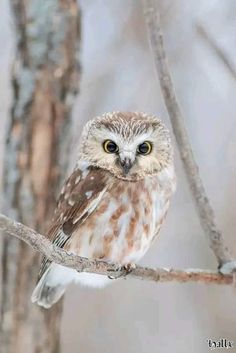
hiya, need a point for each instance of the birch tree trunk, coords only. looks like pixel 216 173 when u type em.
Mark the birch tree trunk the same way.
pixel 45 80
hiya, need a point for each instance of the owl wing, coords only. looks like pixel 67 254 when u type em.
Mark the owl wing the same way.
pixel 79 197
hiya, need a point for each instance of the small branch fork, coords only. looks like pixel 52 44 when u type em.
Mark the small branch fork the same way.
pixel 41 244
pixel 203 206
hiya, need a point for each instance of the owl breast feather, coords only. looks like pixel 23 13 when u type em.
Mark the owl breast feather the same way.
pixel 126 220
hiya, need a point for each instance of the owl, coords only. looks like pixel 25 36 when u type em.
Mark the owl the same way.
pixel 113 204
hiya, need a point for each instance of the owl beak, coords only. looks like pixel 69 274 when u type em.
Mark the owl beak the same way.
pixel 126 165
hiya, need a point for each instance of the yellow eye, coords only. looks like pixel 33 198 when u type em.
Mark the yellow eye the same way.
pixel 145 148
pixel 110 146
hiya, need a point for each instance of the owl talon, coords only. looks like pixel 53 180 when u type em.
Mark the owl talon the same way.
pixel 123 271
pixel 118 270
pixel 129 268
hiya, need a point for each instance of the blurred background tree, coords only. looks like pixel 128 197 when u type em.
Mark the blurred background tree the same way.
pixel 45 80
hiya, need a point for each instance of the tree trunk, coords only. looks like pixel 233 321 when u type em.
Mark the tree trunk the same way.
pixel 45 81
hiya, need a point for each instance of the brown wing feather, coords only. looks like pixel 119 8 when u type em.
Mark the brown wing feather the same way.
pixel 79 197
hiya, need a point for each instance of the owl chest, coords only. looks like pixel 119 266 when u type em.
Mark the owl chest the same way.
pixel 125 222
pixel 143 208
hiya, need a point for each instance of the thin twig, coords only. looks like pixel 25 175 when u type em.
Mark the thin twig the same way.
pixel 41 244
pixel 217 49
pixel 205 211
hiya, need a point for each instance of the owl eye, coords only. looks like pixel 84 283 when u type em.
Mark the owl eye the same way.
pixel 145 148
pixel 110 146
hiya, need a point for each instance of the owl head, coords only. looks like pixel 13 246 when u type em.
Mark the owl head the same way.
pixel 129 145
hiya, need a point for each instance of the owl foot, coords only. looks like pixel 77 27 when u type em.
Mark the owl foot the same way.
pixel 123 271
pixel 129 268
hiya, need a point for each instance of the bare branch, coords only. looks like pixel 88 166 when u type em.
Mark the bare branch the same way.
pixel 217 49
pixel 202 203
pixel 41 244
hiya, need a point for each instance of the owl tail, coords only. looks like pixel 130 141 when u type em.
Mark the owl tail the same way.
pixel 48 290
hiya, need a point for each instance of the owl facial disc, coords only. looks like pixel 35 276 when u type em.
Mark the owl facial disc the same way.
pixel 129 145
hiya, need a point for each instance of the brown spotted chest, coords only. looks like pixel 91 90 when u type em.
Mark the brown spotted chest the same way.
pixel 125 222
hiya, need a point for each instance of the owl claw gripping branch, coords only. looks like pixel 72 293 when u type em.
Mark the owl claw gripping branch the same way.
pixel 123 271
pixel 113 204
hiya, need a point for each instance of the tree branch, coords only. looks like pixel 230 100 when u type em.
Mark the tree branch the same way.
pixel 204 209
pixel 41 244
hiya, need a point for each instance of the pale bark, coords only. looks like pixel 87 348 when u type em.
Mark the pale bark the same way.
pixel 45 81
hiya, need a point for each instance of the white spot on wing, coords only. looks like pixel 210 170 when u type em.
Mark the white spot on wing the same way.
pixel 67 195
pixel 71 202
pixel 92 206
pixel 88 194
pixel 77 180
